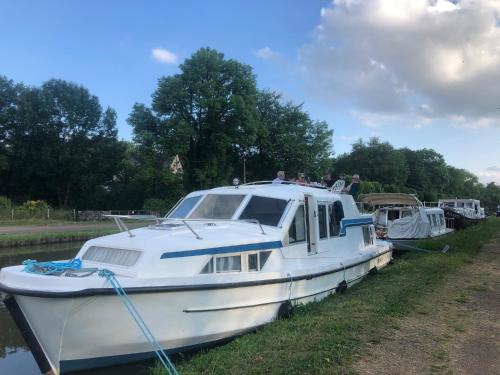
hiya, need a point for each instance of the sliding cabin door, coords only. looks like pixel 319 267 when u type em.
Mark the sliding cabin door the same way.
pixel 311 224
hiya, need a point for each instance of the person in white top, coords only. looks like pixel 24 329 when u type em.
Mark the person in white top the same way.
pixel 280 177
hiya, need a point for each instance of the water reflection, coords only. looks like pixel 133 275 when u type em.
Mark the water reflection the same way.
pixel 15 357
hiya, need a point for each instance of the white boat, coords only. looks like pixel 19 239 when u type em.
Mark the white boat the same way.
pixel 223 262
pixel 399 216
pixel 464 212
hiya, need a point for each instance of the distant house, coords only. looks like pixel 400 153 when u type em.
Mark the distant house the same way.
pixel 175 165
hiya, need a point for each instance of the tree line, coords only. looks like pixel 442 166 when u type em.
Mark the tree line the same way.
pixel 58 144
pixel 422 172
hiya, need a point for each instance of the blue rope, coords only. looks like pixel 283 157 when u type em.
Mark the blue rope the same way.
pixel 51 268
pixel 165 361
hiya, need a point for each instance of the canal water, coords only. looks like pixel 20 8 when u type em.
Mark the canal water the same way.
pixel 15 357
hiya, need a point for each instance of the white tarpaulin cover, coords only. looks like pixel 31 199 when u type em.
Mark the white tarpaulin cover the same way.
pixel 415 226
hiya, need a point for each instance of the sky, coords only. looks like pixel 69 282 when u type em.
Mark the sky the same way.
pixel 415 73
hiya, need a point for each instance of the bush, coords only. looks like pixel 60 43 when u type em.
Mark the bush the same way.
pixel 156 204
pixel 35 205
pixel 5 203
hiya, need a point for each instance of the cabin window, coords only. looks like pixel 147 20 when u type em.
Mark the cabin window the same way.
pixel 336 213
pixel 209 267
pixel 217 206
pixel 441 219
pixel 185 207
pixel 109 255
pixel 367 235
pixel 434 222
pixel 392 215
pixel 230 263
pixel 323 232
pixel 263 257
pixel 450 204
pixel 460 204
pixel 253 262
pixel 266 210
pixel 297 231
pixel 256 261
pixel 405 213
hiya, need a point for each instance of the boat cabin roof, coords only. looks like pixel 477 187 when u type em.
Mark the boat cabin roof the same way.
pixel 386 199
pixel 459 200
pixel 283 191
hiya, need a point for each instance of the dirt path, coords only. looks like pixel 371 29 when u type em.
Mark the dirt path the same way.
pixel 455 331
pixel 18 229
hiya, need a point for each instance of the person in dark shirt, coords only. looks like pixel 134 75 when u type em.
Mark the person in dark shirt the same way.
pixel 352 188
pixel 327 180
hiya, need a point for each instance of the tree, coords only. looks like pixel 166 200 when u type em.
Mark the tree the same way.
pixel 205 114
pixel 213 117
pixel 374 161
pixel 287 139
pixel 61 146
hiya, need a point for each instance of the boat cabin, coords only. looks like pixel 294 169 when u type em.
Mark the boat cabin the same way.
pixel 402 216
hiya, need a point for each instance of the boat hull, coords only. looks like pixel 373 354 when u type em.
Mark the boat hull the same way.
pixel 84 332
pixel 459 221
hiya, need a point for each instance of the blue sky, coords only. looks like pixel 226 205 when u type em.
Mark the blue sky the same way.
pixel 339 58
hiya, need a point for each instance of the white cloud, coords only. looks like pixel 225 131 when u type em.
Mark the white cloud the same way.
pixel 268 54
pixel 164 56
pixel 491 174
pixel 429 58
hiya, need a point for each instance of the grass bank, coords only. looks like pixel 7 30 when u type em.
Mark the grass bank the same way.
pixel 43 238
pixel 327 337
pixel 35 221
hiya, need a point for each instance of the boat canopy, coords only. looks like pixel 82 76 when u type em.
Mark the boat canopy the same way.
pixel 387 199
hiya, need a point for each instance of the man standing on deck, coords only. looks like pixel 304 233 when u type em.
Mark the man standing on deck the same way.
pixel 280 177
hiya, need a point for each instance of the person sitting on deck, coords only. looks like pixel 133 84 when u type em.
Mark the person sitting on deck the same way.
pixel 301 179
pixel 352 188
pixel 280 177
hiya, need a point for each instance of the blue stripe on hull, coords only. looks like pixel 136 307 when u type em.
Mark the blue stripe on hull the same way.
pixel 224 249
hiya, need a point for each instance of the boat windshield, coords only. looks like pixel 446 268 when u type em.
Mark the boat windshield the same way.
pixel 185 207
pixel 217 206
pixel 267 211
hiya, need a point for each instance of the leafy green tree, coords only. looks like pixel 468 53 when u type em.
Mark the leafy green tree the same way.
pixel 206 115
pixel 374 161
pixel 490 196
pixel 212 116
pixel 62 147
pixel 287 139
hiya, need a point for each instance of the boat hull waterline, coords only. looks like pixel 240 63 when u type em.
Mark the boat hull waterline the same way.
pixel 84 332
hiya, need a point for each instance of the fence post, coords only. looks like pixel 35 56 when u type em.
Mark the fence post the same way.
pixel 12 214
pixel 74 214
pixel 48 213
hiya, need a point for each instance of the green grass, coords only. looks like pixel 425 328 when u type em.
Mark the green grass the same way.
pixel 326 337
pixel 4 222
pixel 29 239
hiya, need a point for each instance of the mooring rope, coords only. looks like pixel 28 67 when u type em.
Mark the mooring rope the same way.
pixel 51 268
pixel 160 353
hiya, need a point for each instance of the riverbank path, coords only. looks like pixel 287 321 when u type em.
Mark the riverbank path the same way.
pixel 455 331
pixel 76 227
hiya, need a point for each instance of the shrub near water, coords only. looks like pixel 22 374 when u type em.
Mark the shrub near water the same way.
pixel 326 337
